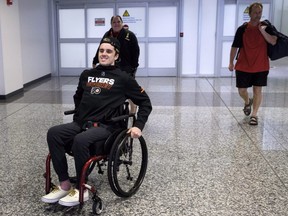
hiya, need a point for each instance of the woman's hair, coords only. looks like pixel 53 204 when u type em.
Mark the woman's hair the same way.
pixel 115 17
pixel 258 4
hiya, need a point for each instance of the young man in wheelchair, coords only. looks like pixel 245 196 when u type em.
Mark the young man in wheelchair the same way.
pixel 99 93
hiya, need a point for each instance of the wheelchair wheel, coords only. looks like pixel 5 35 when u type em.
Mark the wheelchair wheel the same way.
pixel 97 206
pixel 127 164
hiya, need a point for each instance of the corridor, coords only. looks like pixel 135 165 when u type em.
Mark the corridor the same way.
pixel 204 157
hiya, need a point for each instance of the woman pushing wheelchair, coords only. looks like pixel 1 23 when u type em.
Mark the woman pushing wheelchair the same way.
pixel 99 93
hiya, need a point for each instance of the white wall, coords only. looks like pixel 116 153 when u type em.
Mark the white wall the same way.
pixel 284 26
pixel 199 27
pixel 11 76
pixel 24 43
pixel 34 26
pixel 190 39
pixel 208 17
pixel 2 81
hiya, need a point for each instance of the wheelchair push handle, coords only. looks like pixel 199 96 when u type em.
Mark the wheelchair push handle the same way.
pixel 69 112
pixel 120 118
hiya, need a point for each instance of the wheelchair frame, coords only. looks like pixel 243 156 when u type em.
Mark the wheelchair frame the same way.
pixel 122 146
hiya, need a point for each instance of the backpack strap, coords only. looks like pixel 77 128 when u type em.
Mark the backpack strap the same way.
pixel 243 28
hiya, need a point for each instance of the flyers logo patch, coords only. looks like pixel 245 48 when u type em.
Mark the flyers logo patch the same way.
pixel 95 90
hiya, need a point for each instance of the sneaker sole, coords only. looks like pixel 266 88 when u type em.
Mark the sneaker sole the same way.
pixel 49 200
pixel 70 204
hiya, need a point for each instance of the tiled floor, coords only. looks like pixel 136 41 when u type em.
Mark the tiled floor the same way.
pixel 204 159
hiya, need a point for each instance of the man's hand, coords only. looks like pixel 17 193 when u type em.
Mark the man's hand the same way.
pixel 262 27
pixel 233 52
pixel 135 132
pixel 231 67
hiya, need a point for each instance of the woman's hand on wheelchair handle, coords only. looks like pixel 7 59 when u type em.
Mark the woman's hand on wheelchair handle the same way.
pixel 135 132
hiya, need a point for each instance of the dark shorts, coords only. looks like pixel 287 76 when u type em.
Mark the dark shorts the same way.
pixel 246 80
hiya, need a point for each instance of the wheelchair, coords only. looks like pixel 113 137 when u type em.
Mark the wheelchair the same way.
pixel 127 160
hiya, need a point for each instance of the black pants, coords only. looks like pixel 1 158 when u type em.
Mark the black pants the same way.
pixel 70 136
pixel 131 71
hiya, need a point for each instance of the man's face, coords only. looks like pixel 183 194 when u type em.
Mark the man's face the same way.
pixel 107 54
pixel 256 13
pixel 116 24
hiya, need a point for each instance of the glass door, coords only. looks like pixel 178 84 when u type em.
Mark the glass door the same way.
pixel 81 27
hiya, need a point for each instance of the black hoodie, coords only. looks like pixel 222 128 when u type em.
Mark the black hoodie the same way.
pixel 102 90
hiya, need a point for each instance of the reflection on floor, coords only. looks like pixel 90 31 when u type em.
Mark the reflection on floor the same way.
pixel 204 158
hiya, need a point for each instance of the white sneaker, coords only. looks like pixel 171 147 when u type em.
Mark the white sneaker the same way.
pixel 72 198
pixel 55 195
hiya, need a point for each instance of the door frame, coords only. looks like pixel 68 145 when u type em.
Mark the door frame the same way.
pixel 145 71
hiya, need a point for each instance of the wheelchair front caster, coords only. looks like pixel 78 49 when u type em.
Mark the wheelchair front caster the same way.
pixel 97 207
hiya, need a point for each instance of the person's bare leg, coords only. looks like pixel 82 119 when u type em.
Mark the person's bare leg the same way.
pixel 65 185
pixel 257 99
pixel 244 95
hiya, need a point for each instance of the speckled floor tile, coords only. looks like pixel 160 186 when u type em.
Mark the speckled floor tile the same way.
pixel 204 157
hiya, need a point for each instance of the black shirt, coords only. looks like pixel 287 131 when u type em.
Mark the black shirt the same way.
pixel 102 90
